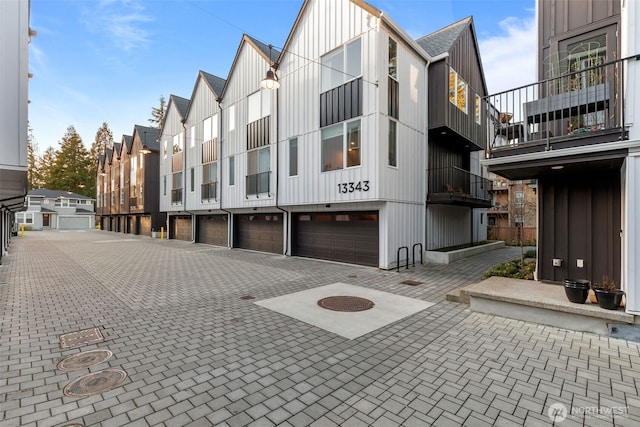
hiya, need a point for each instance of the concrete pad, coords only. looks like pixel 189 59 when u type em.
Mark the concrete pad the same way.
pixel 303 306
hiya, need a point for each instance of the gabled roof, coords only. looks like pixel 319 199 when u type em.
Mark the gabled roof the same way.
pixel 116 149
pixel 260 47
pixel 182 104
pixel 101 159
pixel 127 143
pixel 109 154
pixel 386 20
pixel 442 40
pixel 56 194
pixel 215 83
pixel 148 136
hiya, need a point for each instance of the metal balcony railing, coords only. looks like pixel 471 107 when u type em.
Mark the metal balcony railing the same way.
pixel 581 103
pixel 209 191
pixel 176 196
pixel 457 181
pixel 258 183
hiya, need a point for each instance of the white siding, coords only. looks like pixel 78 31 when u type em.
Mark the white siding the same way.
pixel 250 68
pixel 172 126
pixel 401 224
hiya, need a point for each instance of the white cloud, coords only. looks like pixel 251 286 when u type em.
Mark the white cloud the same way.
pixel 509 59
pixel 122 21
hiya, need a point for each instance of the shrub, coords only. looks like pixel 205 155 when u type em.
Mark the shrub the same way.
pixel 531 253
pixel 513 269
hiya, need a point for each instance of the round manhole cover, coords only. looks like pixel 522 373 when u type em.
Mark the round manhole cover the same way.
pixel 346 303
pixel 95 383
pixel 84 360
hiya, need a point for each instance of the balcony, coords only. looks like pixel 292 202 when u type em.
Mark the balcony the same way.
pixel 209 191
pixel 578 108
pixel 499 210
pixel 176 196
pixel 454 186
pixel 258 183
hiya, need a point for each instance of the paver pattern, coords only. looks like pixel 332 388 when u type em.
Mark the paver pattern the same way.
pixel 197 353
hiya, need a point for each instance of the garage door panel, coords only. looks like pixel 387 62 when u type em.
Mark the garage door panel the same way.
pixel 145 226
pixel 345 237
pixel 213 230
pixel 181 228
pixel 259 232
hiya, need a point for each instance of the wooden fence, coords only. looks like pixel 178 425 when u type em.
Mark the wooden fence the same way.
pixel 512 234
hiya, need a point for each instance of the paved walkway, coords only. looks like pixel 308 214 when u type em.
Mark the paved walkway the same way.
pixel 196 353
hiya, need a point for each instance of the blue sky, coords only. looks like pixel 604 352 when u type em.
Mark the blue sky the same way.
pixel 110 61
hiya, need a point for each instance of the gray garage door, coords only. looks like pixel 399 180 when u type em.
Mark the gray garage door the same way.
pixel 73 222
pixel 213 229
pixel 351 237
pixel 180 228
pixel 259 232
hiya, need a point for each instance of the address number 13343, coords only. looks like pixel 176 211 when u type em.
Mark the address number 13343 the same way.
pixel 350 187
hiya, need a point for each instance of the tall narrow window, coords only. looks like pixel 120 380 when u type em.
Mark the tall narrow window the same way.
pixel 353 143
pixel 393 58
pixel 457 90
pixel 293 157
pixel 393 156
pixel 232 170
pixel 164 185
pixel 193 179
pixel 232 118
pixel 478 109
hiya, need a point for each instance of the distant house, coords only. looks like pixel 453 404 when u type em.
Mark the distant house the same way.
pixel 57 210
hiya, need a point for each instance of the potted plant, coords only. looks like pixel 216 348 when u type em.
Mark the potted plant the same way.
pixel 607 295
pixel 577 291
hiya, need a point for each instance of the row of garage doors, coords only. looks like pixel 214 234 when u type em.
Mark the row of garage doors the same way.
pixel 351 237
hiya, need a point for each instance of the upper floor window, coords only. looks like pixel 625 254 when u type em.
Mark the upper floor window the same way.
pixel 341 65
pixel 258 105
pixel 458 89
pixel 478 103
pixel 340 142
pixel 293 157
pixel 164 148
pixel 192 136
pixel 232 117
pixel 177 143
pixel 393 58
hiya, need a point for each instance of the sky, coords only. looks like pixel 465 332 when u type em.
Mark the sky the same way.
pixel 96 61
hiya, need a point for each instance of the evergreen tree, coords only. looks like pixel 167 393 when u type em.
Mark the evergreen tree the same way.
pixel 103 140
pixel 34 176
pixel 157 114
pixel 72 167
pixel 45 164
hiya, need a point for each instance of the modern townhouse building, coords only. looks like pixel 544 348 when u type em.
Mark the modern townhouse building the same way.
pixel 57 210
pixel 15 35
pixel 574 132
pixel 333 164
pixel 128 184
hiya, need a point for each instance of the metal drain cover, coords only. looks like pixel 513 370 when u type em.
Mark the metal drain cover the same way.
pixel 411 282
pixel 76 339
pixel 346 303
pixel 95 383
pixel 84 360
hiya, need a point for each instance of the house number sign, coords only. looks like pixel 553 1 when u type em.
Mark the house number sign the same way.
pixel 350 187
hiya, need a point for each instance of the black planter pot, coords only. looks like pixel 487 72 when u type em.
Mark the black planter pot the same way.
pixel 610 300
pixel 577 291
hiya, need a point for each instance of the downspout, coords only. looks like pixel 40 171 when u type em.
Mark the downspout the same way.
pixel 229 214
pixel 184 177
pixel 287 217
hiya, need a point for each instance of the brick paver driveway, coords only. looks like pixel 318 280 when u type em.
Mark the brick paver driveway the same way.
pixel 197 353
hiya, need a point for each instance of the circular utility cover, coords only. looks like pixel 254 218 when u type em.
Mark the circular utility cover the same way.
pixel 84 360
pixel 346 303
pixel 95 383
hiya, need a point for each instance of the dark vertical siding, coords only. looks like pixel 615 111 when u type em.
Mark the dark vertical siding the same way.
pixel 438 95
pixel 580 219
pixel 341 103
pixel 441 156
pixel 151 189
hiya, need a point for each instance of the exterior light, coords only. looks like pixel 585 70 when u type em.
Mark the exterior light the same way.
pixel 145 150
pixel 557 167
pixel 270 82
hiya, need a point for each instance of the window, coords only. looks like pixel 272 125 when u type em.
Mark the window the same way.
pixel 177 180
pixel 338 139
pixel 393 155
pixel 341 65
pixel 164 185
pixel 140 163
pixel 478 109
pixel 164 148
pixel 209 181
pixel 193 179
pixel 457 91
pixel 177 143
pixel 121 184
pixel 232 170
pixel 393 58
pixel 258 105
pixel 293 157
pixel 232 117
pixel 258 170
pixel 133 175
pixel 519 196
